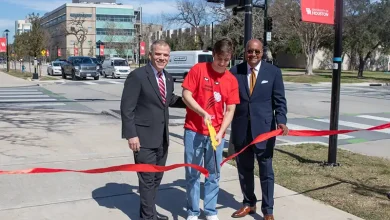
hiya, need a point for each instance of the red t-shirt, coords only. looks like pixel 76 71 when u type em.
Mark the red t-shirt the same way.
pixel 212 91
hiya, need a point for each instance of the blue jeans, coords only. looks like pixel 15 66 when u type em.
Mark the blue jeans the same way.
pixel 198 150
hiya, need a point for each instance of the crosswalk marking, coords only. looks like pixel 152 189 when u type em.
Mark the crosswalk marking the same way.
pixel 38 104
pixel 298 127
pixel 20 93
pixel 114 82
pixel 18 90
pixel 374 118
pixel 24 96
pixel 26 100
pixel 355 125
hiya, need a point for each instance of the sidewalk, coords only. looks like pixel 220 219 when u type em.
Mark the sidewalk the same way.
pixel 7 80
pixel 81 141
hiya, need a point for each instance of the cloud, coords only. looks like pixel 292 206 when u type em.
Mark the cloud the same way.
pixel 39 5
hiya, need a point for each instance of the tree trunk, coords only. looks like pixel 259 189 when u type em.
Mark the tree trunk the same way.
pixel 362 63
pixel 309 63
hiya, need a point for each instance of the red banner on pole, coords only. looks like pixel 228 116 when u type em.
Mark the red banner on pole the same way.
pixel 3 45
pixel 142 46
pixel 76 51
pixel 318 11
pixel 101 53
pixel 59 52
pixel 47 53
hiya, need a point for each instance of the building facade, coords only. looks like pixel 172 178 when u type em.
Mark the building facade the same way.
pixel 22 26
pixel 74 29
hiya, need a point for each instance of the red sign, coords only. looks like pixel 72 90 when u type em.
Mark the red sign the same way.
pixel 3 45
pixel 318 11
pixel 47 53
pixel 101 53
pixel 76 51
pixel 142 47
pixel 59 52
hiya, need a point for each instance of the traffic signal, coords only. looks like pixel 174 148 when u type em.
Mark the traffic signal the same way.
pixel 268 24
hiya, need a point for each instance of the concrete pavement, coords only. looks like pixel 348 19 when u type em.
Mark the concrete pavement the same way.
pixel 81 141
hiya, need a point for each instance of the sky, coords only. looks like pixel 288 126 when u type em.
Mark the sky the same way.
pixel 12 10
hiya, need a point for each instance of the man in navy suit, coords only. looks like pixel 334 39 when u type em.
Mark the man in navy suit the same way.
pixel 262 109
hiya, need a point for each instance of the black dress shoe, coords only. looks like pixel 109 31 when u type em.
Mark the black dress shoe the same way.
pixel 161 217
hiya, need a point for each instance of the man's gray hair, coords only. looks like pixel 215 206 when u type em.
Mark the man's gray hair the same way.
pixel 158 42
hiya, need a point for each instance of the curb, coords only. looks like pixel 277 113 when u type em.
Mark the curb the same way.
pixel 380 84
pixel 172 122
pixel 342 84
pixel 50 110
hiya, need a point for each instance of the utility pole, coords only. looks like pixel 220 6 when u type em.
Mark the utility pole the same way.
pixel 335 99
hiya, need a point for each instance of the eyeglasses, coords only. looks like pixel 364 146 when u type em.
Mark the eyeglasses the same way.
pixel 257 52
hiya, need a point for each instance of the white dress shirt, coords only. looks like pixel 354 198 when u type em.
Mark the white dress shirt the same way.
pixel 257 69
pixel 157 79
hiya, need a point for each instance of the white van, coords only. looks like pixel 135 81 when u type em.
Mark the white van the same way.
pixel 180 62
pixel 115 67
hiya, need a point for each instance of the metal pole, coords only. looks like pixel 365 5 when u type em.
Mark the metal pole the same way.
pixel 335 101
pixel 6 36
pixel 212 34
pixel 139 50
pixel 265 43
pixel 248 21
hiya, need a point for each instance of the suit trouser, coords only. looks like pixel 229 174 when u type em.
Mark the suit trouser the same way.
pixel 149 182
pixel 245 165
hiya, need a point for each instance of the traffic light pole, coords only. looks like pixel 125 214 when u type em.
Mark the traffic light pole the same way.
pixel 265 43
pixel 248 21
pixel 335 99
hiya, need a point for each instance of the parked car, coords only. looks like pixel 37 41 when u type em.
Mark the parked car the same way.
pixel 54 68
pixel 116 67
pixel 79 67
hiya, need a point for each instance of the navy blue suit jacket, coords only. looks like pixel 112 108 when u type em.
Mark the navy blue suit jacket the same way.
pixel 265 108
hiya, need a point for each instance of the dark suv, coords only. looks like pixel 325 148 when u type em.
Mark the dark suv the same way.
pixel 79 67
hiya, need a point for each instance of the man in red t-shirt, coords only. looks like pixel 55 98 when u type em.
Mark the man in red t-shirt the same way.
pixel 210 92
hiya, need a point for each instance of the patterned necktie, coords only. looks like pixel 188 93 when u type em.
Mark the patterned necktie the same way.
pixel 161 86
pixel 253 80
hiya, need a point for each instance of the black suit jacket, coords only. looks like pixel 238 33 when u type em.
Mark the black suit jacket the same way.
pixel 143 113
pixel 265 108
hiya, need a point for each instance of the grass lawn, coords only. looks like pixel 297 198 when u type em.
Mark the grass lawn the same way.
pixel 358 186
pixel 346 77
pixel 27 75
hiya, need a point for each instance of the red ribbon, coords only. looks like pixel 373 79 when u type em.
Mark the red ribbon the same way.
pixel 155 168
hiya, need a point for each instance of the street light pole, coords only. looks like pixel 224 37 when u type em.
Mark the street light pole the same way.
pixel 335 99
pixel 139 50
pixel 6 36
pixel 265 43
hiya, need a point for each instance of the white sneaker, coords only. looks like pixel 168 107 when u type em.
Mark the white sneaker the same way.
pixel 212 217
pixel 192 217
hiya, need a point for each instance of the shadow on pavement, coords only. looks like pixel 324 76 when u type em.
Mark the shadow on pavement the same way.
pixel 122 196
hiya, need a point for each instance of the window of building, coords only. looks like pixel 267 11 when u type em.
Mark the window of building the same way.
pixel 115 18
pixel 121 32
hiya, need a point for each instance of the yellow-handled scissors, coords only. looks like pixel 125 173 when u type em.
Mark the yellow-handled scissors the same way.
pixel 213 133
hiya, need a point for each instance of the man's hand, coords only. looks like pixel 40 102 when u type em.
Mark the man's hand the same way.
pixel 284 128
pixel 134 144
pixel 218 138
pixel 206 117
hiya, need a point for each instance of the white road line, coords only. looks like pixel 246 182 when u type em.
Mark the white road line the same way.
pixel 90 83
pixel 114 82
pixel 374 117
pixel 298 127
pixel 355 125
pixel 26 100
pixel 23 96
pixel 38 104
pixel 18 90
pixel 20 93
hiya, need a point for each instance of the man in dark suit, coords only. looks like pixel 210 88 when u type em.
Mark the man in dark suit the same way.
pixel 262 106
pixel 147 94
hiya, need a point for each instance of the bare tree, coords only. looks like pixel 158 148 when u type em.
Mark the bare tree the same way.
pixel 78 30
pixel 310 35
pixel 193 13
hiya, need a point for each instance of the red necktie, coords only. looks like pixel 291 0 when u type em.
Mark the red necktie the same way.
pixel 161 86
